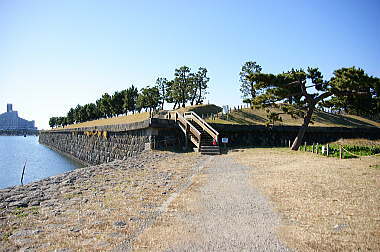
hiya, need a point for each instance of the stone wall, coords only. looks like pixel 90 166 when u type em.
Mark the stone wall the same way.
pixel 96 149
pixel 98 145
pixel 258 135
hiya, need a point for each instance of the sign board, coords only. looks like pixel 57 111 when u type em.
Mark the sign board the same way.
pixel 224 140
pixel 225 109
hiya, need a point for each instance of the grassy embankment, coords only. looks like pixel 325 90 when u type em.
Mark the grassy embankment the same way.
pixel 113 204
pixel 321 119
pixel 138 117
pixel 243 116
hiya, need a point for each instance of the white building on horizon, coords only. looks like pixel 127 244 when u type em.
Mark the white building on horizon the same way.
pixel 10 121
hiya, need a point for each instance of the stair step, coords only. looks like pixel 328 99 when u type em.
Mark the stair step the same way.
pixel 210 152
pixel 213 153
pixel 206 141
pixel 209 147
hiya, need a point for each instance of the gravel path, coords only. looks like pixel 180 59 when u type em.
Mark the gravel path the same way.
pixel 230 214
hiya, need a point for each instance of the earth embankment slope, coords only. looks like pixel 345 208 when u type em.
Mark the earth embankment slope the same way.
pixel 93 208
pixel 248 116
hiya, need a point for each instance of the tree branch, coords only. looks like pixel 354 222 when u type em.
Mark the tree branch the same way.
pixel 308 97
pixel 322 96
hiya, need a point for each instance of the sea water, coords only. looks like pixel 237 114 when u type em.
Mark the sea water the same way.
pixel 41 162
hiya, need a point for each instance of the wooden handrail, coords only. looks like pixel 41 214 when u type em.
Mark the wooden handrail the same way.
pixel 188 125
pixel 182 128
pixel 203 124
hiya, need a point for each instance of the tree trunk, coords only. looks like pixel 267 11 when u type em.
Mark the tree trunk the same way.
pixel 253 91
pixel 175 104
pixel 298 141
pixel 193 98
pixel 199 97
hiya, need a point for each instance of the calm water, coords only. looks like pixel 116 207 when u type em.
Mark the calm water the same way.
pixel 41 162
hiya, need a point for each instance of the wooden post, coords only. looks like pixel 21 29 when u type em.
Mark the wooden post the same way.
pixel 340 151
pixel 327 151
pixel 305 146
pixel 313 148
pixel 289 143
pixel 317 148
pixel 22 175
pixel 186 141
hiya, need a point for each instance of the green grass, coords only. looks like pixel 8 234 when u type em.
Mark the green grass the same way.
pixel 334 150
pixel 20 212
pixel 375 166
pixel 24 211
pixel 6 236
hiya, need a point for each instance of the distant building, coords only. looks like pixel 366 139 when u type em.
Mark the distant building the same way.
pixel 11 121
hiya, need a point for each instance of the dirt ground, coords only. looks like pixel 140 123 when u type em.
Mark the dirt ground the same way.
pixel 110 208
pixel 220 211
pixel 326 204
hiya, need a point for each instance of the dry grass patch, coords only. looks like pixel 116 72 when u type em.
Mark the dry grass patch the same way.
pixel 201 109
pixel 358 142
pixel 103 212
pixel 325 203
pixel 171 230
pixel 320 119
pixel 138 117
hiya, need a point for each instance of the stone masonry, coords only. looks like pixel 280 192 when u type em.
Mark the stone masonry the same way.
pixel 98 149
pixel 93 146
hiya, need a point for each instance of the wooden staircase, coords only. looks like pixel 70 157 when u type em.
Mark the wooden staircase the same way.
pixel 198 131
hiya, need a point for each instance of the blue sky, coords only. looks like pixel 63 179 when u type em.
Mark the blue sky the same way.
pixel 56 54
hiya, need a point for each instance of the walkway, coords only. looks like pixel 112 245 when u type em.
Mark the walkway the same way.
pixel 220 211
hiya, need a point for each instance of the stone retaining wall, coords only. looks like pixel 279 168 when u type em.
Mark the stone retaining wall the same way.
pixel 258 135
pixel 97 145
pixel 98 149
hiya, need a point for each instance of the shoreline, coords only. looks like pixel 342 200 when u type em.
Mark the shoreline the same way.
pixel 72 162
pixel 85 164
pixel 108 203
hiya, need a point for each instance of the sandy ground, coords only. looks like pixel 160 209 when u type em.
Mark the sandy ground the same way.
pixel 220 211
pixel 326 204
